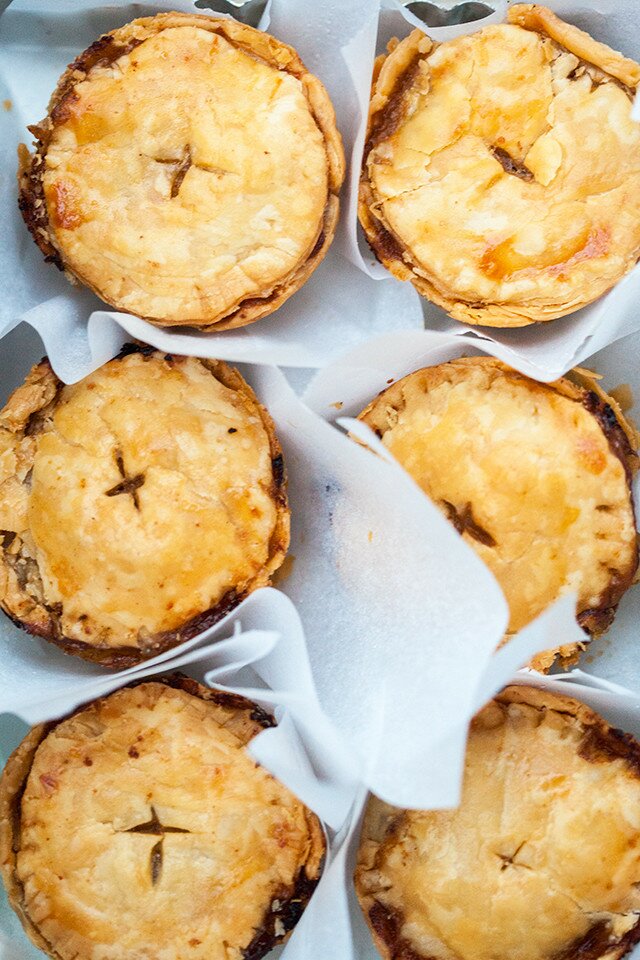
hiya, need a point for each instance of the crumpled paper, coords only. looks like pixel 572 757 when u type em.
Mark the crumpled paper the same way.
pixel 392 602
pixel 544 351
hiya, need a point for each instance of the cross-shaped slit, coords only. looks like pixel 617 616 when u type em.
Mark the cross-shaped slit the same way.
pixel 183 164
pixel 128 484
pixel 464 522
pixel 510 860
pixel 155 828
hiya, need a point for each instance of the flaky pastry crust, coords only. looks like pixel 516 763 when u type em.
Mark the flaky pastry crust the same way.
pixel 535 477
pixel 138 506
pixel 141 826
pixel 188 171
pixel 541 861
pixel 501 173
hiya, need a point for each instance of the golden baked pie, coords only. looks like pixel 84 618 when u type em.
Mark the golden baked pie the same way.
pixel 188 171
pixel 541 860
pixel 140 826
pixel 137 506
pixel 536 477
pixel 501 174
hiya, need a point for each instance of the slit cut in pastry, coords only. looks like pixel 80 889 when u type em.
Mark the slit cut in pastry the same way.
pixel 536 478
pixel 141 826
pixel 187 171
pixel 501 173
pixel 138 506
pixel 541 860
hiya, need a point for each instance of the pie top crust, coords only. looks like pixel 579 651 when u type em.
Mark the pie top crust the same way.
pixel 502 169
pixel 137 506
pixel 140 826
pixel 536 477
pixel 188 171
pixel 541 859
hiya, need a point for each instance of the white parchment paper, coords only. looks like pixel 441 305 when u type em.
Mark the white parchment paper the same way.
pixel 546 350
pixel 337 307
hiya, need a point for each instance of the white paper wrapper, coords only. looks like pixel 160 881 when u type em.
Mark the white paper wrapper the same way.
pixel 547 350
pixel 337 307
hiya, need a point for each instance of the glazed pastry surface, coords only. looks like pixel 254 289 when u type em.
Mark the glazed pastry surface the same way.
pixel 189 170
pixel 147 829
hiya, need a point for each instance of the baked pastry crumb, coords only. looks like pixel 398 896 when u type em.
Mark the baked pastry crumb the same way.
pixel 535 477
pixel 541 859
pixel 501 173
pixel 187 171
pixel 138 506
pixel 141 826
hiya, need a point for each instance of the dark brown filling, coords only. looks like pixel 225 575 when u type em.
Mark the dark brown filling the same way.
pixel 155 828
pixel 387 924
pixel 510 165
pixel 284 913
pixel 464 522
pixel 128 485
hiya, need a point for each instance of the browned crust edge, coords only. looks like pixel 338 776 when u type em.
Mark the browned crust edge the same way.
pixel 388 107
pixel 594 620
pixel 292 901
pixel 108 49
pixel 46 622
pixel 601 743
